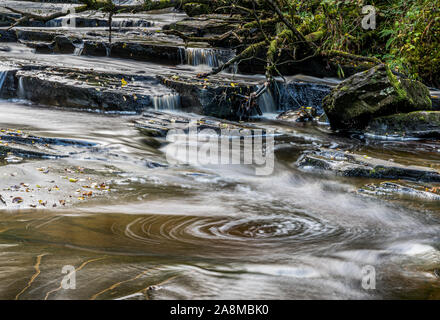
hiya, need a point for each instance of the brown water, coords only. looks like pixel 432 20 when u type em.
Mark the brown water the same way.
pixel 190 231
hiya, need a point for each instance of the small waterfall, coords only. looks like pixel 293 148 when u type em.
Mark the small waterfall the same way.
pixel 21 93
pixel 3 75
pixel 205 56
pixel 108 49
pixel 267 102
pixel 167 102
pixel 79 47
pixel 294 94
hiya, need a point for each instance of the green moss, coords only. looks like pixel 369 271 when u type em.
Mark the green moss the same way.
pixel 401 93
pixel 195 9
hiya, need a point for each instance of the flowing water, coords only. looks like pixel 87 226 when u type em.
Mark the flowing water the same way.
pixel 201 231
pixel 196 231
pixel 167 102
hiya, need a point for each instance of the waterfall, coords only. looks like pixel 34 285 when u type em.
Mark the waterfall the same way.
pixel 21 93
pixel 267 102
pixel 3 75
pixel 108 49
pixel 167 102
pixel 294 94
pixel 205 56
pixel 79 47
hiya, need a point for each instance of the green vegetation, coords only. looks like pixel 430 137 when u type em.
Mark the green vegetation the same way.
pixel 407 34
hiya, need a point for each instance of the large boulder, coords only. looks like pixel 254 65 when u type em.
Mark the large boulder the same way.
pixel 373 93
pixel 419 124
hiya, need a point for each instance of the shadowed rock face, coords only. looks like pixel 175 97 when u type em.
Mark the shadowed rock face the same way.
pixel 295 94
pixel 373 93
pixel 95 91
pixel 419 124
pixel 218 99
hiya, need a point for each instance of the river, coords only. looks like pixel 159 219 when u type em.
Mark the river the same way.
pixel 202 232
pixel 157 230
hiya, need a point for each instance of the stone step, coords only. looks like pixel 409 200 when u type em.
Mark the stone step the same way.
pixel 93 91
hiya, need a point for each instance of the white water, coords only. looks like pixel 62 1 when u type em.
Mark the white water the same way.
pixel 3 75
pixel 79 47
pixel 167 102
pixel 205 56
pixel 20 90
pixel 267 102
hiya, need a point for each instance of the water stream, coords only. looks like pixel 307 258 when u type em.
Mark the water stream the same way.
pixel 198 230
pixel 210 232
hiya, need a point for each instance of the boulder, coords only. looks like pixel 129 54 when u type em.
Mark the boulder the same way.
pixel 419 124
pixel 373 93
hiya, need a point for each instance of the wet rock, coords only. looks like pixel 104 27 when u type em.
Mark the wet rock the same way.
pixel 65 44
pixel 401 189
pixel 353 165
pixel 209 97
pixel 8 35
pixel 41 47
pixel 18 137
pixel 71 88
pixel 96 48
pixel 37 35
pixel 24 151
pixel 373 93
pixel 419 124
pixel 157 124
pixel 157 52
pixel 203 25
pixel 297 94
pixel 8 87
pixel 299 115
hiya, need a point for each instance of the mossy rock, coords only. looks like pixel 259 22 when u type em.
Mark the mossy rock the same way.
pixel 419 124
pixel 196 9
pixel 373 93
